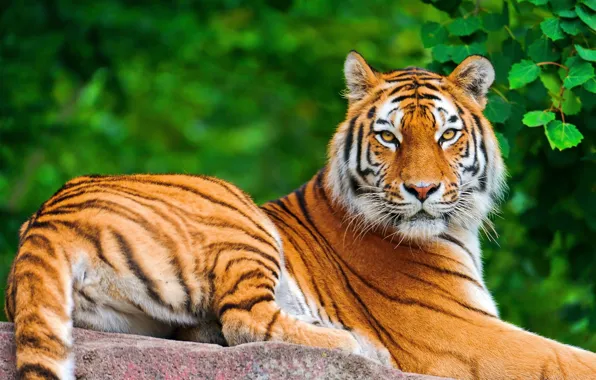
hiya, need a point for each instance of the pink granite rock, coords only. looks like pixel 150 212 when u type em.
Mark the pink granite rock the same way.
pixel 121 356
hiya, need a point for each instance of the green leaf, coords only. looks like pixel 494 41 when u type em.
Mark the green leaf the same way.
pixel 586 16
pixel 523 73
pixel 579 73
pixel 543 50
pixel 494 21
pixel 503 144
pixel 590 85
pixel 464 26
pixel 461 52
pixel 590 3
pixel 442 53
pixel 568 13
pixel 551 82
pixel 551 27
pixel 586 54
pixel 537 2
pixel 561 5
pixel 497 109
pixel 538 118
pixel 572 27
pixel 433 34
pixel 572 103
pixel 562 135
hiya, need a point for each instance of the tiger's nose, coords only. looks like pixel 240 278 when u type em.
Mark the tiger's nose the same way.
pixel 422 192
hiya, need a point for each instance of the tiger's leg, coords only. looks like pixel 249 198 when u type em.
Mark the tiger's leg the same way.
pixel 245 304
pixel 39 301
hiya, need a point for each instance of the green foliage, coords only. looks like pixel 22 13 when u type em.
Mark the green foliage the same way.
pixel 579 72
pixel 250 93
pixel 552 28
pixel 543 107
pixel 538 118
pixel 464 26
pixel 523 73
pixel 562 135
pixel 586 54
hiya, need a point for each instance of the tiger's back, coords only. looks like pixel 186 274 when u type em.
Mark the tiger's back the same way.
pixel 147 254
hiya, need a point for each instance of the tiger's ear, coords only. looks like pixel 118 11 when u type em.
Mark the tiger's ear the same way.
pixel 474 75
pixel 360 77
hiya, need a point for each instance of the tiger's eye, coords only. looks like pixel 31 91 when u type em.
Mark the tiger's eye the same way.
pixel 387 136
pixel 448 134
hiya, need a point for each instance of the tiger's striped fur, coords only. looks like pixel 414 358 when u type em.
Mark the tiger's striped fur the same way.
pixel 378 254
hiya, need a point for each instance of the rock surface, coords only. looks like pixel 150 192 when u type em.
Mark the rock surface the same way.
pixel 121 356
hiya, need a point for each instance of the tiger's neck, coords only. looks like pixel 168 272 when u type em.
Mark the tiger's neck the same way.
pixel 338 237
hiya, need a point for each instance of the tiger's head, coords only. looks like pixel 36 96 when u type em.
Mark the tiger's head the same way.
pixel 415 152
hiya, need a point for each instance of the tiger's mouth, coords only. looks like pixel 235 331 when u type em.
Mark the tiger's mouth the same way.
pixel 422 216
pixel 422 225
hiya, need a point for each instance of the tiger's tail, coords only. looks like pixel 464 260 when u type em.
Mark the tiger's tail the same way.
pixel 40 303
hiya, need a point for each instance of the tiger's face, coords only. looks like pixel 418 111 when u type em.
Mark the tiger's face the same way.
pixel 416 153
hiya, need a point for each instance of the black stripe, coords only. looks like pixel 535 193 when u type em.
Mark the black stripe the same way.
pixel 106 205
pixel 398 89
pixel 448 272
pixel 271 323
pixel 455 241
pixel 91 236
pixel 428 77
pixel 362 172
pixel 399 80
pixel 447 294
pixel 221 247
pixel 245 305
pixel 474 168
pixel 242 197
pixel 371 112
pixel 483 180
pixel 43 225
pixel 320 186
pixel 87 298
pixel 403 97
pixel 224 246
pixel 253 260
pixel 25 339
pixel 128 253
pixel 35 260
pixel 267 287
pixel 249 275
pixel 46 243
pixel 53 202
pixel 217 223
pixel 349 139
pixel 428 96
pixel 43 264
pixel 36 370
pixel 430 86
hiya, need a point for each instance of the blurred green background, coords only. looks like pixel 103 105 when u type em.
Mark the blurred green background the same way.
pixel 250 92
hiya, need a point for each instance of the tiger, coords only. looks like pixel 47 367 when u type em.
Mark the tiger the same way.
pixel 378 254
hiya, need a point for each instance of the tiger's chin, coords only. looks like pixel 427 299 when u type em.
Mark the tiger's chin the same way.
pixel 423 228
